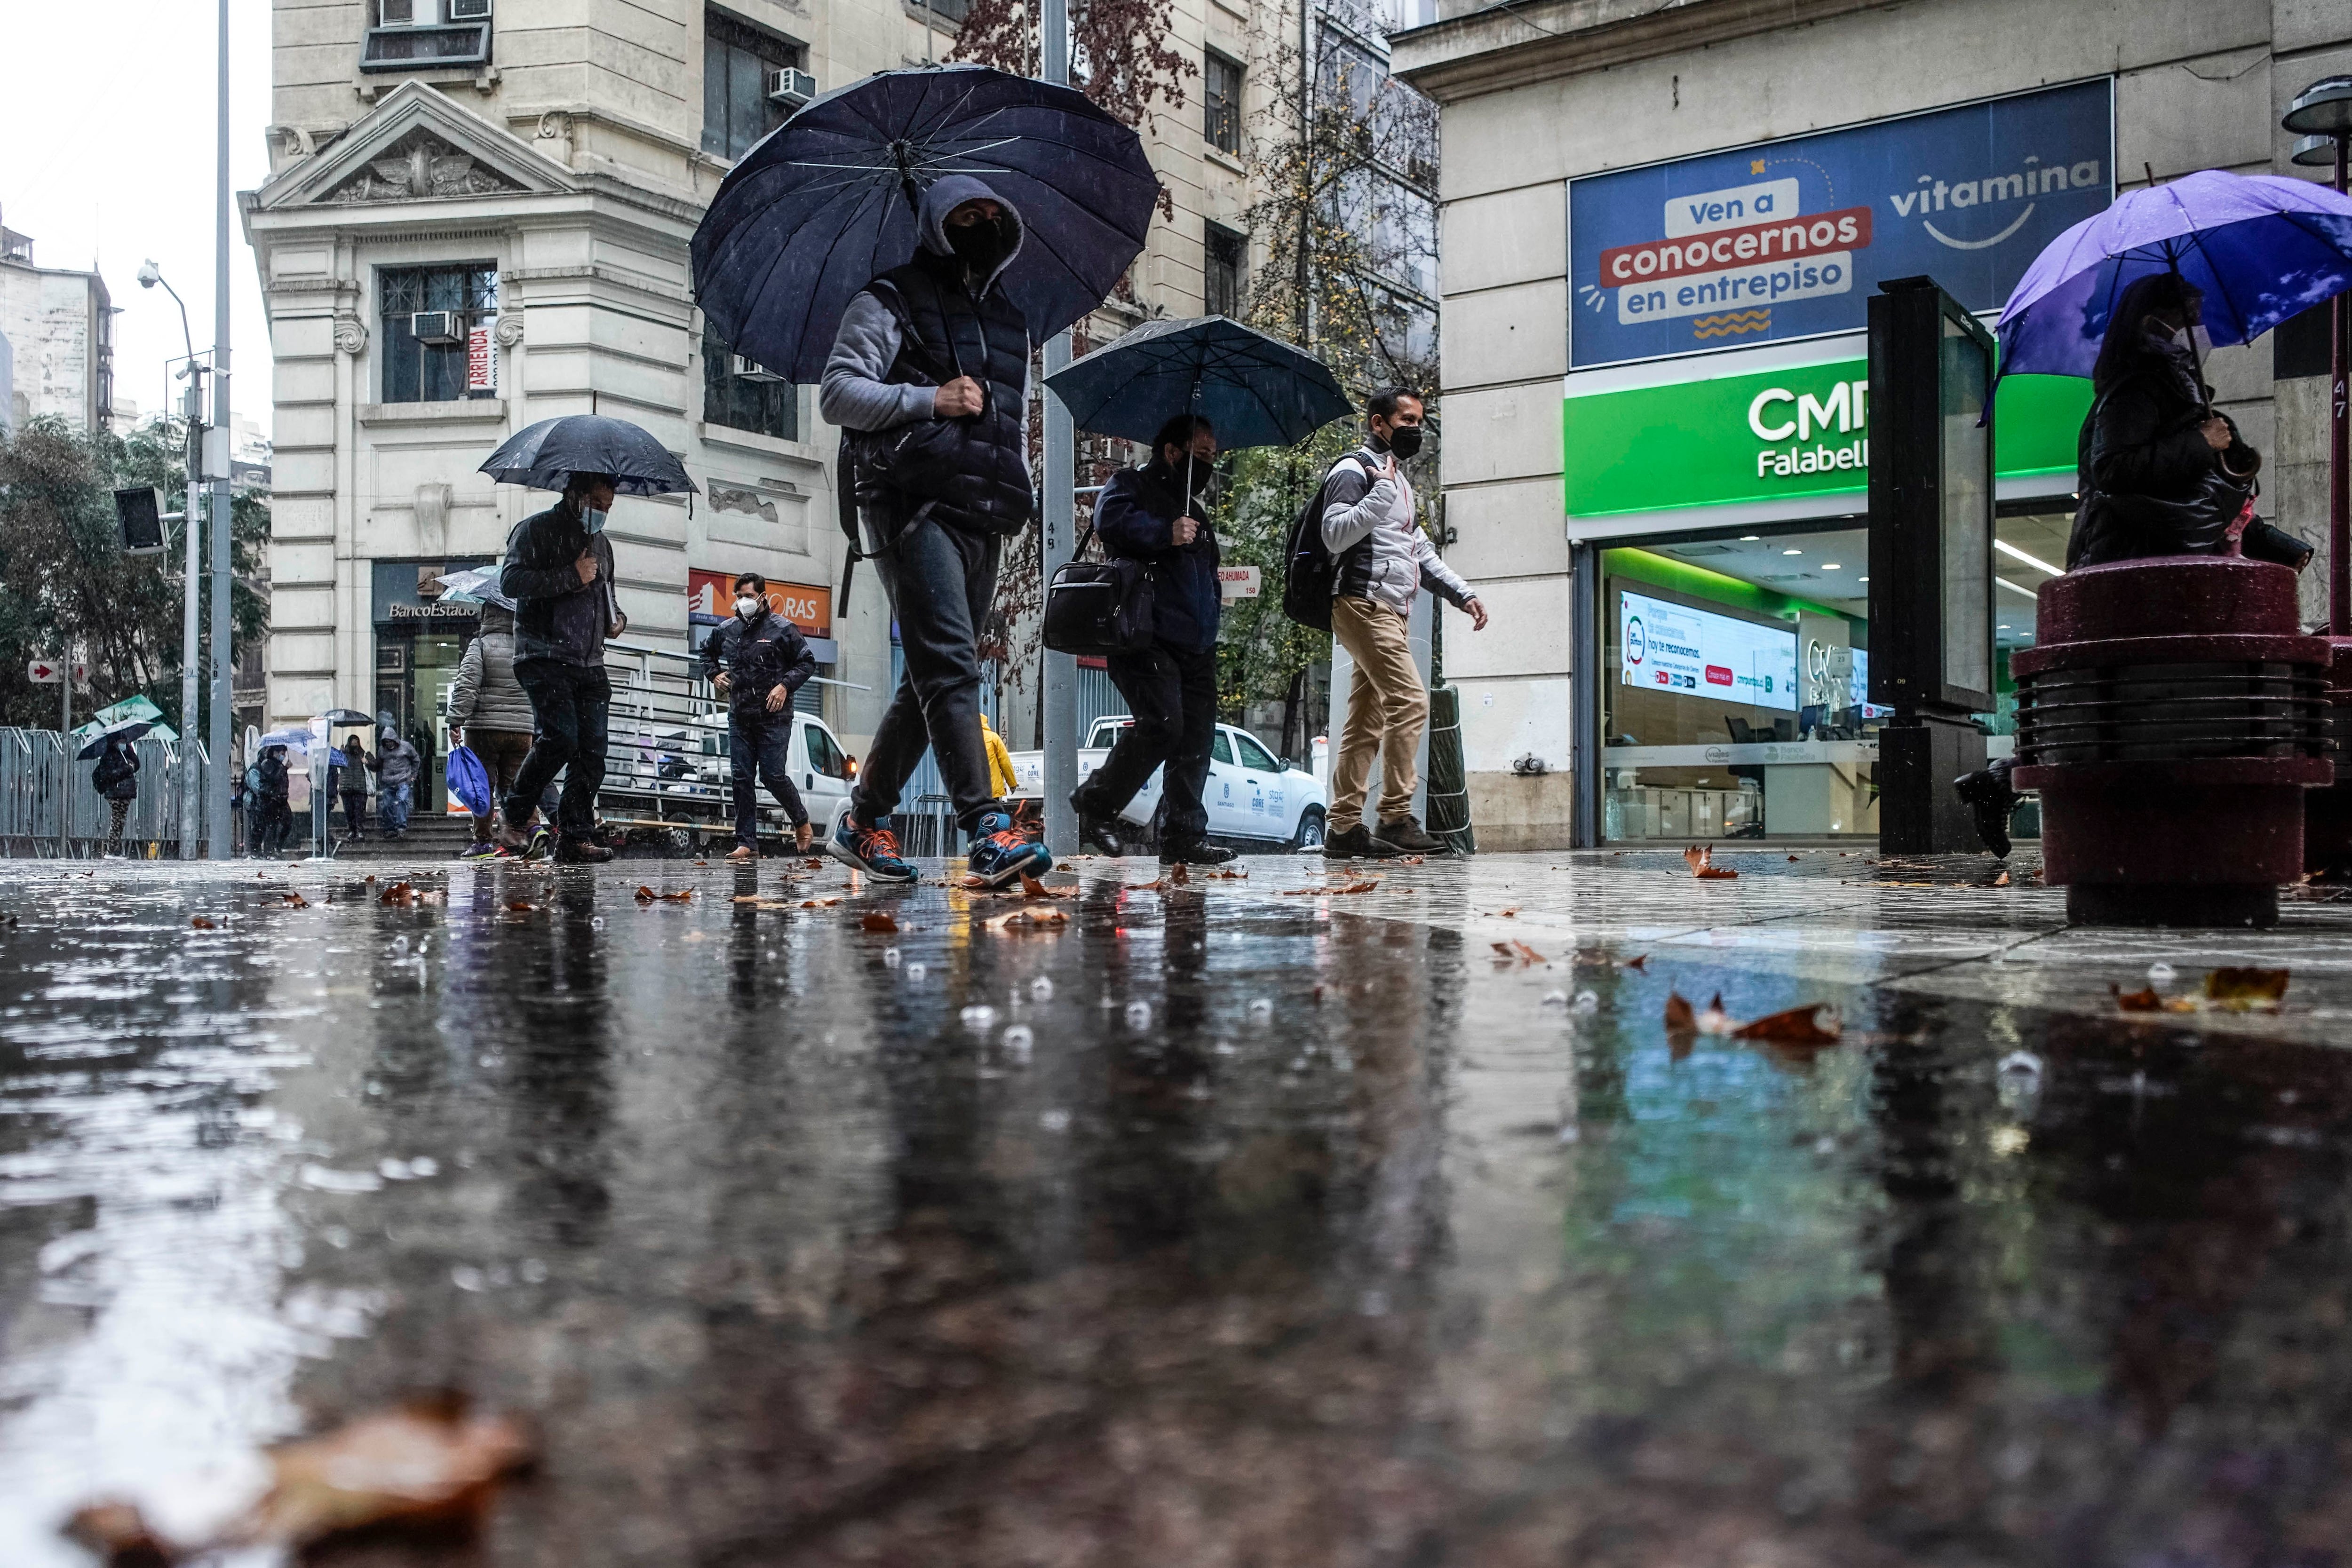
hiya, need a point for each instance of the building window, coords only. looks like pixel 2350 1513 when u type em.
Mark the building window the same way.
pixel 412 34
pixel 737 59
pixel 1220 102
pixel 1220 273
pixel 432 370
pixel 741 396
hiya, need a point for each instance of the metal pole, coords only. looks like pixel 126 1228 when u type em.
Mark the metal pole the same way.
pixel 2339 450
pixel 190 585
pixel 215 784
pixel 1060 693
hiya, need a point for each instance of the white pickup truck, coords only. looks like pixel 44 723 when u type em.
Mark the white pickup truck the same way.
pixel 1249 795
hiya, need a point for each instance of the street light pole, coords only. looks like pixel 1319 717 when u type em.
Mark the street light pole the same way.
pixel 216 742
pixel 150 275
pixel 1059 697
pixel 2322 115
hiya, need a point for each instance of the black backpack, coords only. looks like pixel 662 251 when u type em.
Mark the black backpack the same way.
pixel 1309 572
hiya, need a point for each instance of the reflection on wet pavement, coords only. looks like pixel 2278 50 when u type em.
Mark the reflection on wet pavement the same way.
pixel 1224 1226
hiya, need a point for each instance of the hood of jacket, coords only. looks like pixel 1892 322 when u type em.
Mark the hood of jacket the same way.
pixel 944 196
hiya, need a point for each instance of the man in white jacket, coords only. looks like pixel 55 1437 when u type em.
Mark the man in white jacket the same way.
pixel 1380 560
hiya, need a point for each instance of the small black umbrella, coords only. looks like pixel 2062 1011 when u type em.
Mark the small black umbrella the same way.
pixel 826 203
pixel 545 455
pixel 1256 391
pixel 344 718
pixel 129 729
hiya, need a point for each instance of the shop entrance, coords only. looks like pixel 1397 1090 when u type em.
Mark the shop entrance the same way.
pixel 419 642
pixel 1735 674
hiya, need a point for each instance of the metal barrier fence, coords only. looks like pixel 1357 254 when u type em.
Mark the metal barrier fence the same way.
pixel 49 808
pixel 927 827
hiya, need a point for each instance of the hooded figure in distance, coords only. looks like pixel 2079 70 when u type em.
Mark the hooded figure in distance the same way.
pixel 930 377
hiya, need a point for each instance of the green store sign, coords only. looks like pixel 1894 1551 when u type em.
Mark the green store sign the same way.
pixel 1790 433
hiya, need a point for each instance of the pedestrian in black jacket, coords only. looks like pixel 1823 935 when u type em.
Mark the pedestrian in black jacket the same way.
pixel 559 572
pixel 758 660
pixel 116 778
pixel 1158 513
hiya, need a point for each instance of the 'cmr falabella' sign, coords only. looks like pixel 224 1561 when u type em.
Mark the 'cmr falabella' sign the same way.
pixel 1787 239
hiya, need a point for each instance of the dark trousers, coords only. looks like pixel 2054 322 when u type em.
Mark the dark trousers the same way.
pixel 757 740
pixel 355 811
pixel 502 752
pixel 940 581
pixel 570 705
pixel 1172 693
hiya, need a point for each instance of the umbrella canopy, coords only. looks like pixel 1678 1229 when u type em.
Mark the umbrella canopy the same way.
pixel 1255 390
pixel 826 203
pixel 125 729
pixel 545 455
pixel 2261 247
pixel 294 739
pixel 130 707
pixel 346 717
pixel 475 585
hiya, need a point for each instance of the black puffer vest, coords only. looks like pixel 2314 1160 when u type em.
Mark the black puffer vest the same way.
pixel 974 470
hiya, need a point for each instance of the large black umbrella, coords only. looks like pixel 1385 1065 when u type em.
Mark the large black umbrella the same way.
pixel 826 203
pixel 1256 391
pixel 545 455
pixel 129 729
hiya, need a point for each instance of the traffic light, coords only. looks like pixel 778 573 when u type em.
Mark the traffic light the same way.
pixel 141 514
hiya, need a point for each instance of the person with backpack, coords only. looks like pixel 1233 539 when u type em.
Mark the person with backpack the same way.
pixel 928 379
pixel 116 779
pixel 1376 560
pixel 1158 513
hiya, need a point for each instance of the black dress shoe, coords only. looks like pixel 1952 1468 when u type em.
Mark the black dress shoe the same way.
pixel 581 852
pixel 1196 851
pixel 1990 801
pixel 1093 827
pixel 1358 843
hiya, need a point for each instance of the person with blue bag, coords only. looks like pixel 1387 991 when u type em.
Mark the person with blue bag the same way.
pixel 490 715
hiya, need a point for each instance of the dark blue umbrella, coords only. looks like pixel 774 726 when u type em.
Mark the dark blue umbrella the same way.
pixel 1256 391
pixel 826 204
pixel 130 729
pixel 546 455
pixel 2261 247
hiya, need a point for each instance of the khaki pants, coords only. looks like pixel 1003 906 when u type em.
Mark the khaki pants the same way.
pixel 1388 707
pixel 501 751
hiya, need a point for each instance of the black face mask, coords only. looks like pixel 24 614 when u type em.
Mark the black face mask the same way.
pixel 1405 441
pixel 981 246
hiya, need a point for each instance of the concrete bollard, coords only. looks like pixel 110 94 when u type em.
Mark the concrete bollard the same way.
pixel 2172 715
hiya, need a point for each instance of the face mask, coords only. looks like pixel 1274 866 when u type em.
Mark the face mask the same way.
pixel 2198 339
pixel 1405 441
pixel 979 246
pixel 748 607
pixel 592 519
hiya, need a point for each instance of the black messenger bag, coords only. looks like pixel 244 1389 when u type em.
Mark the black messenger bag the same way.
pixel 1099 606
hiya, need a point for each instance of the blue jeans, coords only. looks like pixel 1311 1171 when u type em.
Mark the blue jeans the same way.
pixel 762 740
pixel 392 803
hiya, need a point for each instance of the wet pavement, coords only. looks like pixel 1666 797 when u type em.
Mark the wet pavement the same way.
pixel 1225 1225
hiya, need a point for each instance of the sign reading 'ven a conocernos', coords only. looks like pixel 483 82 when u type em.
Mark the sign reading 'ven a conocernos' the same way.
pixel 1673 648
pixel 1786 239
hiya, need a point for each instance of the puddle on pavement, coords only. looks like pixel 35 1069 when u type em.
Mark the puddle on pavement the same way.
pixel 1229 1233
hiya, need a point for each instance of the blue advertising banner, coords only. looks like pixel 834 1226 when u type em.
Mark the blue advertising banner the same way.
pixel 1787 239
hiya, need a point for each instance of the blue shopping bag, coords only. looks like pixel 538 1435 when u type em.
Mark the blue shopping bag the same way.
pixel 469 781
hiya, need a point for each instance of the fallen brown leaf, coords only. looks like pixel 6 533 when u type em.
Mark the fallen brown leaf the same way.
pixel 877 920
pixel 2148 1000
pixel 1680 1014
pixel 1028 919
pixel 702 863
pixel 746 898
pixel 1177 875
pixel 2001 881
pixel 399 895
pixel 296 901
pixel 1526 954
pixel 1510 914
pixel 808 904
pixel 1229 875
pixel 201 923
pixel 520 907
pixel 1639 961
pixel 1413 860
pixel 1795 1026
pixel 2238 989
pixel 1701 859
pixel 1157 885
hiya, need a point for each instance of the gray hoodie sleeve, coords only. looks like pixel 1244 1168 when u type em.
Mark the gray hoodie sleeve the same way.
pixel 467 689
pixel 1437 577
pixel 854 393
pixel 1352 507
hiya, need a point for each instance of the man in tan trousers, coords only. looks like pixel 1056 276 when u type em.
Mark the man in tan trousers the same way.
pixel 1380 560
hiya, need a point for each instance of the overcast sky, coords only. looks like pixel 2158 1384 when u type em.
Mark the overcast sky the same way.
pixel 107 152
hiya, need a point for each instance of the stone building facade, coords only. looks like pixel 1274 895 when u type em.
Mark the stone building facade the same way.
pixel 59 323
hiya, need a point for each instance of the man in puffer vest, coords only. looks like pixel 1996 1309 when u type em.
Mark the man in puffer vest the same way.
pixel 930 368
pixel 1381 561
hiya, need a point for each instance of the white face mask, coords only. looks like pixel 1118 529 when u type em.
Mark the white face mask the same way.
pixel 592 519
pixel 2200 339
pixel 748 607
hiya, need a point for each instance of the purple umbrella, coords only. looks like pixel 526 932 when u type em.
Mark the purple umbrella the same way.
pixel 2258 246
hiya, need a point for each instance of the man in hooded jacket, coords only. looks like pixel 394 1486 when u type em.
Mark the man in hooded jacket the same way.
pixel 929 373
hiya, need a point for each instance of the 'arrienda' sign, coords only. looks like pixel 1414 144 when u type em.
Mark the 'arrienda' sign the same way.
pixel 1787 239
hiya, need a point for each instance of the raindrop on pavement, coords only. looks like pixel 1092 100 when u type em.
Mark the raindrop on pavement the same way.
pixel 890 956
pixel 979 1015
pixel 1586 1002
pixel 596 923
pixel 2161 972
pixel 1041 990
pixel 1020 1040
pixel 1054 1121
pixel 915 973
pixel 1260 1009
pixel 1138 1015
pixel 1555 999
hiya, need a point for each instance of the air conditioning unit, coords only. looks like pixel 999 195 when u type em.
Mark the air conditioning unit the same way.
pixel 744 370
pixel 470 10
pixel 441 329
pixel 791 88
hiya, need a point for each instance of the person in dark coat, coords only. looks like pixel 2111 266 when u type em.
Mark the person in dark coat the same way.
pixel 116 779
pixel 2160 470
pixel 350 768
pixel 559 572
pixel 758 661
pixel 1158 513
pixel 930 371
pixel 273 810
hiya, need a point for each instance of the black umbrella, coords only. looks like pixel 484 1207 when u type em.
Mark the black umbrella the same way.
pixel 129 729
pixel 1256 391
pixel 826 204
pixel 345 717
pixel 546 455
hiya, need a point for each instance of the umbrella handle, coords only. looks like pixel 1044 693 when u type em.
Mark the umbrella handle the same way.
pixel 2196 361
